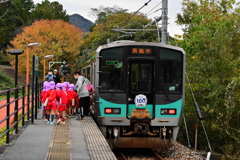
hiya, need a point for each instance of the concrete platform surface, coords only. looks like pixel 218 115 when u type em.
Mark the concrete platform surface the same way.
pixel 36 141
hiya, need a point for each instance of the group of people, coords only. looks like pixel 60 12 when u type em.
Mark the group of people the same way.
pixel 53 76
pixel 60 100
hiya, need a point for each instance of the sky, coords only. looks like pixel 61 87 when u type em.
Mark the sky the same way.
pixel 83 7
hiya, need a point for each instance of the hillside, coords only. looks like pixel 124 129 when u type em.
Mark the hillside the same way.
pixel 80 22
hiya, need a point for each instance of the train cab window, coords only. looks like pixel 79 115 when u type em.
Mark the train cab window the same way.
pixel 170 71
pixel 141 78
pixel 112 67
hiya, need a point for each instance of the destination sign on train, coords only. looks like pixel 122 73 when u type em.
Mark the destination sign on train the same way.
pixel 141 51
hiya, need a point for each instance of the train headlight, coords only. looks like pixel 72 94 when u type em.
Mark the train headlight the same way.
pixel 112 110
pixel 116 111
pixel 168 111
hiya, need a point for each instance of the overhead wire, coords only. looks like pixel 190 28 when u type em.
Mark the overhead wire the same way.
pixel 147 14
pixel 154 8
pixel 145 4
pixel 173 37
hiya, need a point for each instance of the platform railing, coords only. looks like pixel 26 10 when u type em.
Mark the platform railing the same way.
pixel 18 106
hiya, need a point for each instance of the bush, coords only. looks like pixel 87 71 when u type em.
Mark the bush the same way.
pixel 5 82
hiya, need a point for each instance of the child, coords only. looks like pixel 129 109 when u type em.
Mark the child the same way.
pixel 67 85
pixel 58 85
pixel 51 105
pixel 44 116
pixel 72 99
pixel 63 99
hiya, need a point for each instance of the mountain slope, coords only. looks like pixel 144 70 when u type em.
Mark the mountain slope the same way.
pixel 80 22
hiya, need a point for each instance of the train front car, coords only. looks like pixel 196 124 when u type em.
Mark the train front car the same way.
pixel 139 97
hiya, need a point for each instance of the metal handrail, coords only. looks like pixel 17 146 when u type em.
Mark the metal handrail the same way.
pixel 26 106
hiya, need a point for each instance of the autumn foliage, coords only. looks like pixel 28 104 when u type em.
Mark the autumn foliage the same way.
pixel 57 38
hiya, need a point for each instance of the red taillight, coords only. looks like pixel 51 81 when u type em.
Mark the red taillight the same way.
pixel 172 111
pixel 112 110
pixel 108 110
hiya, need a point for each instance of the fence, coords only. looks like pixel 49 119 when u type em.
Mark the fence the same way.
pixel 23 106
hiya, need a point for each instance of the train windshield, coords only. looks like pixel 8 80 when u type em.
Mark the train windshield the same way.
pixel 112 67
pixel 170 71
pixel 141 77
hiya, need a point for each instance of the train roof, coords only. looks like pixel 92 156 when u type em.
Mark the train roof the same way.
pixel 134 43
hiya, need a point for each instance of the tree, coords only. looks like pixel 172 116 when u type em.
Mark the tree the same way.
pixel 211 40
pixel 112 18
pixel 102 13
pixel 50 10
pixel 13 14
pixel 57 38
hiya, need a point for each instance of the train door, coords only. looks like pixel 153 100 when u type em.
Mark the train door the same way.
pixel 140 89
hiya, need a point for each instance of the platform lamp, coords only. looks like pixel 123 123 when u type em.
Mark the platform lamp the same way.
pixel 16 52
pixel 44 64
pixel 28 55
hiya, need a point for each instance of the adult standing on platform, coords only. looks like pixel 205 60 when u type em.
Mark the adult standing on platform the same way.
pixel 49 76
pixel 83 94
pixel 56 77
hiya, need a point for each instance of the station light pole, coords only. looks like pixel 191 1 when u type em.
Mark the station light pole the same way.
pixel 28 55
pixel 16 52
pixel 44 64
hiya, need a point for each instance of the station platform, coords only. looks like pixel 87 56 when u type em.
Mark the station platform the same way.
pixel 76 140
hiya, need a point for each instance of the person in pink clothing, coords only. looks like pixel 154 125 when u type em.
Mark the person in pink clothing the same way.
pixel 62 99
pixel 44 116
pixel 51 94
pixel 67 85
pixel 57 87
pixel 72 99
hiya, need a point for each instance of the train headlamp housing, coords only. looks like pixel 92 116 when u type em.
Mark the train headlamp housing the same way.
pixel 112 110
pixel 168 111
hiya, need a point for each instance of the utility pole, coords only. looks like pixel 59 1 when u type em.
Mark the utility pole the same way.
pixel 164 21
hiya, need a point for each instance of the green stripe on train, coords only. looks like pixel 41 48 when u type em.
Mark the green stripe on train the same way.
pixel 175 105
pixel 106 104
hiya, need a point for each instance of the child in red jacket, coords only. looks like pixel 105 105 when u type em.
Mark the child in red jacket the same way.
pixel 58 85
pixel 62 97
pixel 44 116
pixel 72 99
pixel 51 95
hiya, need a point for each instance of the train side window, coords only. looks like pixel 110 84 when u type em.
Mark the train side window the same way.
pixel 112 67
pixel 170 71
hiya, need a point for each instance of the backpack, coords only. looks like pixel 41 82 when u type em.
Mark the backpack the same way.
pixel 89 86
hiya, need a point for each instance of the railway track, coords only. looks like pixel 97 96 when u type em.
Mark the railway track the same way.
pixel 177 151
pixel 140 154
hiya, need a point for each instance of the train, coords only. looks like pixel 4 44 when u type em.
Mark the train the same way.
pixel 139 93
